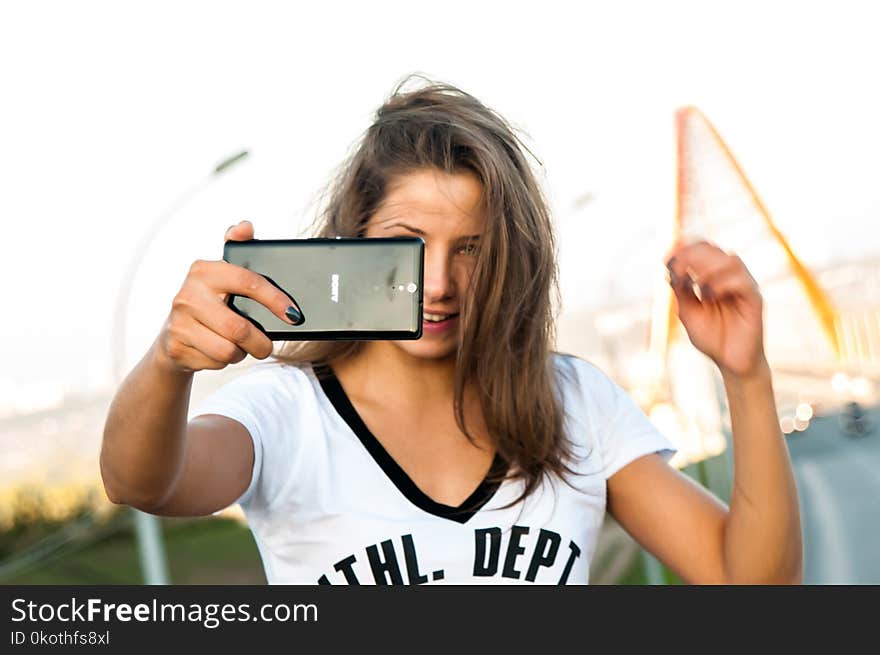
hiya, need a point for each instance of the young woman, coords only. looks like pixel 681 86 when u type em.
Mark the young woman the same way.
pixel 475 454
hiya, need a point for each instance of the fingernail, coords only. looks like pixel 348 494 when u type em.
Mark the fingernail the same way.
pixel 673 278
pixel 294 315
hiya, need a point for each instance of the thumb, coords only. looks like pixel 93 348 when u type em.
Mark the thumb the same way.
pixel 686 300
pixel 242 231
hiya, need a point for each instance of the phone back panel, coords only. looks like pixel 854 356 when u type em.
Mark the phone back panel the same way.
pixel 346 288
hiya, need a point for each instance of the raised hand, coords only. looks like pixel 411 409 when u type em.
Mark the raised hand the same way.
pixel 726 322
pixel 201 331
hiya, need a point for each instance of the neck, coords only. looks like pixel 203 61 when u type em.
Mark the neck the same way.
pixel 382 367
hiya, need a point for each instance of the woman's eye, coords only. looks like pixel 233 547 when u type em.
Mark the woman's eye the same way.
pixel 469 249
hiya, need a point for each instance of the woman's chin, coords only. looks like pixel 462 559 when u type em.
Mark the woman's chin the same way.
pixel 428 348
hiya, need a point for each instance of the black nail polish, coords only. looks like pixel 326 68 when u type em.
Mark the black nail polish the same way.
pixel 294 315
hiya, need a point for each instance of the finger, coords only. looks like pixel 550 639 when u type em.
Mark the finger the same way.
pixel 697 261
pixel 241 231
pixel 198 361
pixel 730 281
pixel 683 290
pixel 234 328
pixel 211 344
pixel 224 278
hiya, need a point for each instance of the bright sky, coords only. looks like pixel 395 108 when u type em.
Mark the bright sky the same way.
pixel 109 112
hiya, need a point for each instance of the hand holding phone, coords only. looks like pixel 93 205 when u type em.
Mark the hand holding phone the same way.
pixel 201 331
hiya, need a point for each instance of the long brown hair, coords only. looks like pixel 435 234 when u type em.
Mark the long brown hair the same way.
pixel 507 316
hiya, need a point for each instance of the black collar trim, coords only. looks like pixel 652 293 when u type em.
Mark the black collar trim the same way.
pixel 461 514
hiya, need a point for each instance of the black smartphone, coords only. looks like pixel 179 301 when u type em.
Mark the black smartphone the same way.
pixel 347 288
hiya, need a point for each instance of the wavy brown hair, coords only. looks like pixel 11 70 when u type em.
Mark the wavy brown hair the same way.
pixel 507 316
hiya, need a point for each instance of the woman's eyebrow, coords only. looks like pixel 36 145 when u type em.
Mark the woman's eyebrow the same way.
pixel 408 227
pixel 470 237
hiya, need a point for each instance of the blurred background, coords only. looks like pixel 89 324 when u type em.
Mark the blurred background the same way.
pixel 132 137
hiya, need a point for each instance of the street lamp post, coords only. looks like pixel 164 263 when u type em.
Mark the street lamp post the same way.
pixel 148 532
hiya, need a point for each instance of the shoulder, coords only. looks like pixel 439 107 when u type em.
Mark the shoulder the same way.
pixel 274 374
pixel 583 383
pixel 571 365
pixel 622 429
pixel 257 388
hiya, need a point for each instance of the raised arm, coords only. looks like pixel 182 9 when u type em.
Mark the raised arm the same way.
pixel 758 539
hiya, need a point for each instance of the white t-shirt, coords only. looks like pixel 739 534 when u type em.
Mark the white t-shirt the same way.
pixel 328 505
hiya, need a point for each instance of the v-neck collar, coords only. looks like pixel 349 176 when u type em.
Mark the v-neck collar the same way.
pixel 460 514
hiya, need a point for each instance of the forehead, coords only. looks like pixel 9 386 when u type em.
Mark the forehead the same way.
pixel 426 195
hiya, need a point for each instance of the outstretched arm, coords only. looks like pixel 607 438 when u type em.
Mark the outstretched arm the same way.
pixel 758 539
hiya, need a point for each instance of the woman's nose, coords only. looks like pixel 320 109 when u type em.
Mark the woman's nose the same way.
pixel 439 283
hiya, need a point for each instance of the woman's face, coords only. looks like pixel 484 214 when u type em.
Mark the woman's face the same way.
pixel 445 210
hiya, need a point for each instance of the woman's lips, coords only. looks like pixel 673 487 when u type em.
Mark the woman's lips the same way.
pixel 439 327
